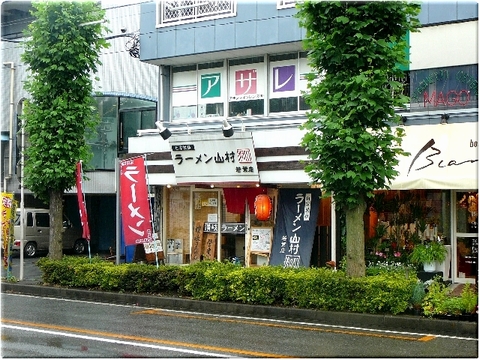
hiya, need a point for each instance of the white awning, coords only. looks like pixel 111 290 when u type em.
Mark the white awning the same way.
pixel 441 157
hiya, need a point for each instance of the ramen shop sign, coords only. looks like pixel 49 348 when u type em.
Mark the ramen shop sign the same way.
pixel 212 158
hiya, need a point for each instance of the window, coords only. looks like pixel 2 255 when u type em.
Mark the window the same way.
pixel 104 145
pixel 120 118
pixel 284 104
pixel 131 121
pixel 247 85
pixel 175 12
pixel 246 108
pixel 288 81
pixel 29 219
pixel 42 219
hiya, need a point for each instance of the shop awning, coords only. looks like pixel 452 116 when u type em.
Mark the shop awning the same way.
pixel 441 157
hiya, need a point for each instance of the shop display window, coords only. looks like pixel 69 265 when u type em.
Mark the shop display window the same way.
pixel 396 221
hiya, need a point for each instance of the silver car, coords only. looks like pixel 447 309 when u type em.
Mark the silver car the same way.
pixel 37 233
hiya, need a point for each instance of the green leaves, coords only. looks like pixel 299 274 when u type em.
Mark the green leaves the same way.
pixel 357 45
pixel 60 55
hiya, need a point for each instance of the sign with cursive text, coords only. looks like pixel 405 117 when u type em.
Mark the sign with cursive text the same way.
pixel 441 157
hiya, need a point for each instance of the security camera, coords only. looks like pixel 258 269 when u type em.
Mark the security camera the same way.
pixel 123 30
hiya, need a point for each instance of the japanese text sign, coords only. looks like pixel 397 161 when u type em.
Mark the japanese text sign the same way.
pixel 295 227
pixel 135 207
pixel 210 158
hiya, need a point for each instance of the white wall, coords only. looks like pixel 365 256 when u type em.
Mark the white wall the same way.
pixel 444 45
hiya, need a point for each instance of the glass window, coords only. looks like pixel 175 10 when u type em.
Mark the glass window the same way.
pixel 467 212
pixel 131 121
pixel 303 104
pixel 42 219
pixel 132 103
pixel 29 219
pixel 184 112
pixel 210 110
pixel 249 107
pixel 467 257
pixel 104 145
pixel 283 104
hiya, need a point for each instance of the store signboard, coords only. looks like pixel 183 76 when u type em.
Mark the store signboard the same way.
pixel 212 158
pixel 441 157
pixel 453 87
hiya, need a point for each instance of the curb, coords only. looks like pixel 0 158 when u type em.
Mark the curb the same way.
pixel 384 322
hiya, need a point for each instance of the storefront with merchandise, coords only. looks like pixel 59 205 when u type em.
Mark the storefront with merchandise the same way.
pixel 435 197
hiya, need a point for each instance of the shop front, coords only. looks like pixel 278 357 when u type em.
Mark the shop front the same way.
pixel 220 196
pixel 436 195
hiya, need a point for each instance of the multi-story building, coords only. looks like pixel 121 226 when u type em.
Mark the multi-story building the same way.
pixel 126 95
pixel 243 63
pixel 212 65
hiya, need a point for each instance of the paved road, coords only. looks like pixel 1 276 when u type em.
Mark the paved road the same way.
pixel 31 272
pixel 35 326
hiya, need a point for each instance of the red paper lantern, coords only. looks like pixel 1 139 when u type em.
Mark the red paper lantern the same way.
pixel 263 207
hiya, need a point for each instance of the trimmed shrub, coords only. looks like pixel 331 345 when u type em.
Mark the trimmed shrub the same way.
pixel 313 288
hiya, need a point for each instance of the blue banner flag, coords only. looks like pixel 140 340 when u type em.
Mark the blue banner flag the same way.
pixel 295 226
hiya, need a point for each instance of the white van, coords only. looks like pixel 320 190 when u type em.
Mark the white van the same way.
pixel 37 233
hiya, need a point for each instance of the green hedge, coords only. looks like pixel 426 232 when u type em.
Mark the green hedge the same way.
pixel 313 288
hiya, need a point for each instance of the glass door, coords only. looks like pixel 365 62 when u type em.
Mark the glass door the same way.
pixel 465 246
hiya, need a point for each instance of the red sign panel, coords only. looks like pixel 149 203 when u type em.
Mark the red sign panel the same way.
pixel 81 203
pixel 135 207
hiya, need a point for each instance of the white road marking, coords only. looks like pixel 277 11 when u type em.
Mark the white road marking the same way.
pixel 115 341
pixel 252 318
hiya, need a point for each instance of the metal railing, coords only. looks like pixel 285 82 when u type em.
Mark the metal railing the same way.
pixel 176 12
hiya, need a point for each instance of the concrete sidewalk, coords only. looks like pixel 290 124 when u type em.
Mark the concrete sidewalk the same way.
pixel 31 285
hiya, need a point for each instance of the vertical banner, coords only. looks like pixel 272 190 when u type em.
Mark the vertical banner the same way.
pixel 295 226
pixel 81 203
pixel 197 243
pixel 8 217
pixel 134 204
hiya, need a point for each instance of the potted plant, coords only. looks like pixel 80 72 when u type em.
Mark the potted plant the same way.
pixel 418 295
pixel 428 253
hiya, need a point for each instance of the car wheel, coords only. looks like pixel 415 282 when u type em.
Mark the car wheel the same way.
pixel 80 247
pixel 30 250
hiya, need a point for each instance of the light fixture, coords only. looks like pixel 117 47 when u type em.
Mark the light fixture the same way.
pixel 164 132
pixel 227 129
pixel 444 119
pixel 263 207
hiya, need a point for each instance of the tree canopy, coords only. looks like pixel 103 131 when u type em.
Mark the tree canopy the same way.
pixel 355 51
pixel 62 53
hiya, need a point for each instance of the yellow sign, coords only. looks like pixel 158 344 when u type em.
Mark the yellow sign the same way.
pixel 8 211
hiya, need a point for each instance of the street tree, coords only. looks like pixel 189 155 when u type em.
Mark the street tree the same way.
pixel 355 50
pixel 62 52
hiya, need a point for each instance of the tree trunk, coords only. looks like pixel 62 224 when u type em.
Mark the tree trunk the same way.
pixel 355 240
pixel 55 251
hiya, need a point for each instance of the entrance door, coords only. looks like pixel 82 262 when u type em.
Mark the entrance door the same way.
pixel 206 212
pixel 465 229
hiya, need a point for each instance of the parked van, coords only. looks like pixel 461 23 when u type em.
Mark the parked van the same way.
pixel 37 233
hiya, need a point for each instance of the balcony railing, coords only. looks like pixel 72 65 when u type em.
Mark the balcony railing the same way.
pixel 178 12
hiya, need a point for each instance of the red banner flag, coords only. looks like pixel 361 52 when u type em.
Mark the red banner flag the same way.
pixel 81 203
pixel 134 204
